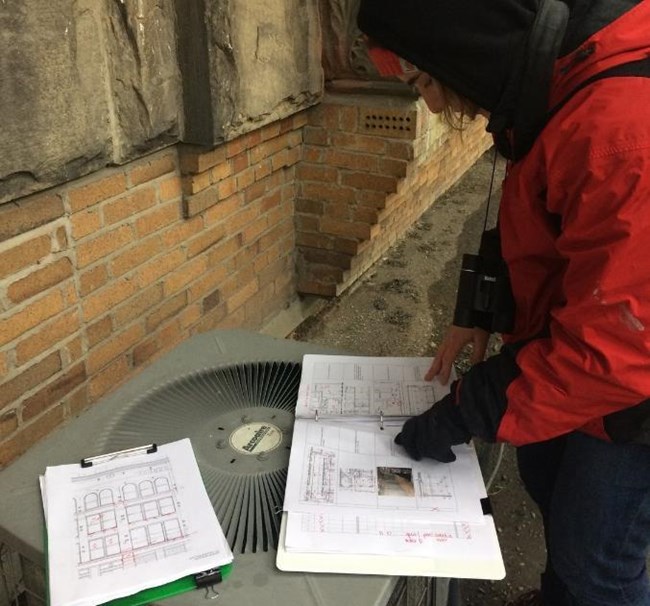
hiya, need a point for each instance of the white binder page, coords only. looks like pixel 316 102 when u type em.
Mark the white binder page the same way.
pixel 367 534
pixel 128 524
pixel 358 386
pixel 358 469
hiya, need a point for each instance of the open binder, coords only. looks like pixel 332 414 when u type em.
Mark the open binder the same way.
pixel 356 503
pixel 131 527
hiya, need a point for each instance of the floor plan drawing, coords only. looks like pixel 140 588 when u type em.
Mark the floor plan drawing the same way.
pixel 379 387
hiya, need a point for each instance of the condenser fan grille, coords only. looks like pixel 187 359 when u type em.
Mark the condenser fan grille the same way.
pixel 239 419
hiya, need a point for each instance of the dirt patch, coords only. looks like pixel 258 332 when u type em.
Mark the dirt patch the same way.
pixel 401 307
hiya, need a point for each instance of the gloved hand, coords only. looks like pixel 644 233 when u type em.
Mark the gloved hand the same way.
pixel 434 432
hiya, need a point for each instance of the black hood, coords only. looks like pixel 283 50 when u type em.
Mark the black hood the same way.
pixel 499 54
pixel 471 46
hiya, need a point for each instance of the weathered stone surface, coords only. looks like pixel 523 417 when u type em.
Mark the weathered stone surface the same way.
pixel 145 81
pixel 246 64
pixel 52 94
pixel 85 84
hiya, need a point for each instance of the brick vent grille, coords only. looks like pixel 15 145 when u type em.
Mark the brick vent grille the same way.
pixel 388 123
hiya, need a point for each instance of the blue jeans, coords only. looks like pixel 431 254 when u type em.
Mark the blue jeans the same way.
pixel 595 502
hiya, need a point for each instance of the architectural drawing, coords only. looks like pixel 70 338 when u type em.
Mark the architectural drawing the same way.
pixel 121 523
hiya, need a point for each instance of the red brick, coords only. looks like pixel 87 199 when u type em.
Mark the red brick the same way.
pixel 224 209
pixel 270 147
pixel 205 240
pixel 109 378
pixel 23 255
pixel 136 255
pixel 31 315
pixel 101 301
pixel 99 331
pixel 154 168
pixel 193 205
pixel 186 273
pixel 344 228
pixel 359 143
pixel 224 250
pixel 53 393
pixel 29 213
pixel 180 232
pixel 159 267
pixel 136 306
pixel 196 160
pixel 221 171
pixel 316 136
pixel 127 206
pixel 40 280
pixel 252 231
pixel 84 223
pixel 226 188
pixel 270 131
pixel 351 160
pixel 328 192
pixel 157 219
pixel 47 336
pixel 170 188
pixel 317 172
pixel 245 178
pixel 371 182
pixel 92 279
pixel 170 308
pixel 119 344
pixel 14 389
pixel 193 184
pixel 103 245
pixel 8 423
pixel 97 191
pixel 243 295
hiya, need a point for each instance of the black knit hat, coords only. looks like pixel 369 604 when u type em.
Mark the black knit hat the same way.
pixel 471 46
pixel 499 54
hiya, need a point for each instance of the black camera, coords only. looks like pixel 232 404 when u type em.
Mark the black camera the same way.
pixel 484 297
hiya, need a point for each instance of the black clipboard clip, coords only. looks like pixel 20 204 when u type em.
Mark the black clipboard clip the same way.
pixel 109 456
pixel 207 580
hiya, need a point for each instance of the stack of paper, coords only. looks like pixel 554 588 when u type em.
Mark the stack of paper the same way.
pixel 127 524
pixel 351 491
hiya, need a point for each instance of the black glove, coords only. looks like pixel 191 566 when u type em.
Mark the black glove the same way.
pixel 434 432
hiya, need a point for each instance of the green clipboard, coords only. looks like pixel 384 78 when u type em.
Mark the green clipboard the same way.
pixel 206 579
pixel 188 583
pixel 146 596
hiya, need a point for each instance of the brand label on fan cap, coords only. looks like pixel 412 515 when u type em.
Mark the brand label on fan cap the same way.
pixel 254 438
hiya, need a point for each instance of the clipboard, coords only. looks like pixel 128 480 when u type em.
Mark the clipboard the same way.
pixel 206 579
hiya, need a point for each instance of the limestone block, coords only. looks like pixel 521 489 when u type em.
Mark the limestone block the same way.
pixel 144 78
pixel 84 84
pixel 55 112
pixel 246 63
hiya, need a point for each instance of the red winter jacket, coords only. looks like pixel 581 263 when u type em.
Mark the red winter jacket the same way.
pixel 575 234
pixel 575 211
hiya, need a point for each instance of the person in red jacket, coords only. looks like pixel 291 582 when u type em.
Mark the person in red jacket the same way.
pixel 566 89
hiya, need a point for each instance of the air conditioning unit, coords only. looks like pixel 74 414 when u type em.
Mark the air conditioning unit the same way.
pixel 208 389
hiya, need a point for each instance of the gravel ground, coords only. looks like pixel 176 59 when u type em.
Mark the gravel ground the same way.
pixel 401 307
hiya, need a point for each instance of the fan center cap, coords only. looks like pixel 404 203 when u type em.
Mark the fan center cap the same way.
pixel 256 438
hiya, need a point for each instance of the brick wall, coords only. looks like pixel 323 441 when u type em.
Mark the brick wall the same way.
pixel 99 276
pixel 371 166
